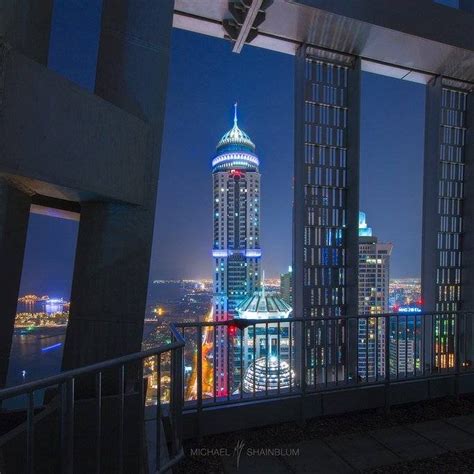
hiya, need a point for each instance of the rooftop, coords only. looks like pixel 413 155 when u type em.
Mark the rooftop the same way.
pixel 425 436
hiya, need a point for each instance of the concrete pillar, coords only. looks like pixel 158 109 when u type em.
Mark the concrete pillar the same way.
pixel 466 322
pixel 114 243
pixel 429 260
pixel 14 214
pixel 326 206
pixel 466 5
pixel 26 24
pixel 447 228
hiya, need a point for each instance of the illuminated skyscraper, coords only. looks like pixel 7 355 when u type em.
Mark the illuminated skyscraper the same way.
pixel 286 286
pixel 236 249
pixel 268 341
pixel 374 278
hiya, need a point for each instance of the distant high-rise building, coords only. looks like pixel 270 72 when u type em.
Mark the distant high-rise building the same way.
pixel 286 286
pixel 236 229
pixel 405 346
pixel 374 278
pixel 268 341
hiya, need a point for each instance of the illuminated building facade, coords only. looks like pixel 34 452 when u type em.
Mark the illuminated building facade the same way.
pixel 447 217
pixel 405 341
pixel 286 286
pixel 54 305
pixel 268 374
pixel 263 340
pixel 374 279
pixel 236 248
pixel 326 195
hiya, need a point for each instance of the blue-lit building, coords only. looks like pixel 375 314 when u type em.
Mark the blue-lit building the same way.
pixel 236 229
pixel 374 278
pixel 406 341
pixel 259 342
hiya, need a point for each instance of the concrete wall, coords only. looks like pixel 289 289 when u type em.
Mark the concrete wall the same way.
pixel 440 23
pixel 430 225
pixel 114 243
pixel 467 296
pixel 244 416
pixel 26 25
pixel 14 214
pixel 53 131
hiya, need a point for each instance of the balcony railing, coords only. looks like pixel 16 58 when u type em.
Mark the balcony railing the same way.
pixel 83 405
pixel 241 361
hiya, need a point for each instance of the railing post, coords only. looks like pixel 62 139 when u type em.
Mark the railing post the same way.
pixel 177 397
pixel 98 390
pixel 457 342
pixel 387 363
pixel 30 435
pixel 158 412
pixel 121 413
pixel 303 372
pixel 199 382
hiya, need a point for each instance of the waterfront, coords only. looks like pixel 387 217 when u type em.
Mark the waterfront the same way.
pixel 37 353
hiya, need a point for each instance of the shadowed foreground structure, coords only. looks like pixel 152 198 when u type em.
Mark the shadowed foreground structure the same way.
pixel 95 156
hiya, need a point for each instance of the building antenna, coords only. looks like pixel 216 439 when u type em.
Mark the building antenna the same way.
pixel 235 114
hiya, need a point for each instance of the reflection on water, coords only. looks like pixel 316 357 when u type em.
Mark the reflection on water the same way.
pixel 35 354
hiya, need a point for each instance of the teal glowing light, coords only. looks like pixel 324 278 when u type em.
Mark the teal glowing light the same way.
pixel 235 150
pixel 364 230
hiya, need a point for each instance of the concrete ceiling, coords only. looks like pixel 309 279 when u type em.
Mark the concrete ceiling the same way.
pixel 408 39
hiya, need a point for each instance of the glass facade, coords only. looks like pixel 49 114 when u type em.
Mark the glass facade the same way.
pixel 236 247
pixel 374 278
pixel 444 217
pixel 321 209
pixel 450 200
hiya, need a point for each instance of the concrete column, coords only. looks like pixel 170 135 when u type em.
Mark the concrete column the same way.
pixel 26 24
pixel 429 261
pixel 114 242
pixel 447 222
pixel 466 323
pixel 326 206
pixel 466 5
pixel 14 214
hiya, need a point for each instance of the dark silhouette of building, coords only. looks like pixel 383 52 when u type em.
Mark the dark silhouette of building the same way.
pixel 96 155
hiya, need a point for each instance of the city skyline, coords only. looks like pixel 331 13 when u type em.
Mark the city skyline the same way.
pixel 236 249
pixel 49 259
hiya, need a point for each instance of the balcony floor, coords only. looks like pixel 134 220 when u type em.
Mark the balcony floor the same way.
pixel 435 436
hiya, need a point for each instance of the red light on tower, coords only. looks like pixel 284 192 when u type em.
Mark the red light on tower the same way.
pixel 236 173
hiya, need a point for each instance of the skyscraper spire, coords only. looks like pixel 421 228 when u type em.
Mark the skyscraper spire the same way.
pixel 235 114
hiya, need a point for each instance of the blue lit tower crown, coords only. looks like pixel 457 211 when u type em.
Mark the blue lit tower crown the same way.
pixel 236 227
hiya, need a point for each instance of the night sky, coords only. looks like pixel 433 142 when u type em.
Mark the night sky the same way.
pixel 205 80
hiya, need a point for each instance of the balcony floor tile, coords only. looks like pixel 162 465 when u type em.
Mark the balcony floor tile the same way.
pixel 445 435
pixel 362 451
pixel 316 456
pixel 406 443
pixel 257 464
pixel 465 422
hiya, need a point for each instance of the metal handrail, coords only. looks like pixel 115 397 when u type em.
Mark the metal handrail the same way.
pixel 251 322
pixel 65 383
pixel 87 369
pixel 402 347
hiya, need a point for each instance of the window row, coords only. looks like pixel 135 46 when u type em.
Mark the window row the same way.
pixel 328 73
pixel 318 154
pixel 324 196
pixel 324 135
pixel 325 115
